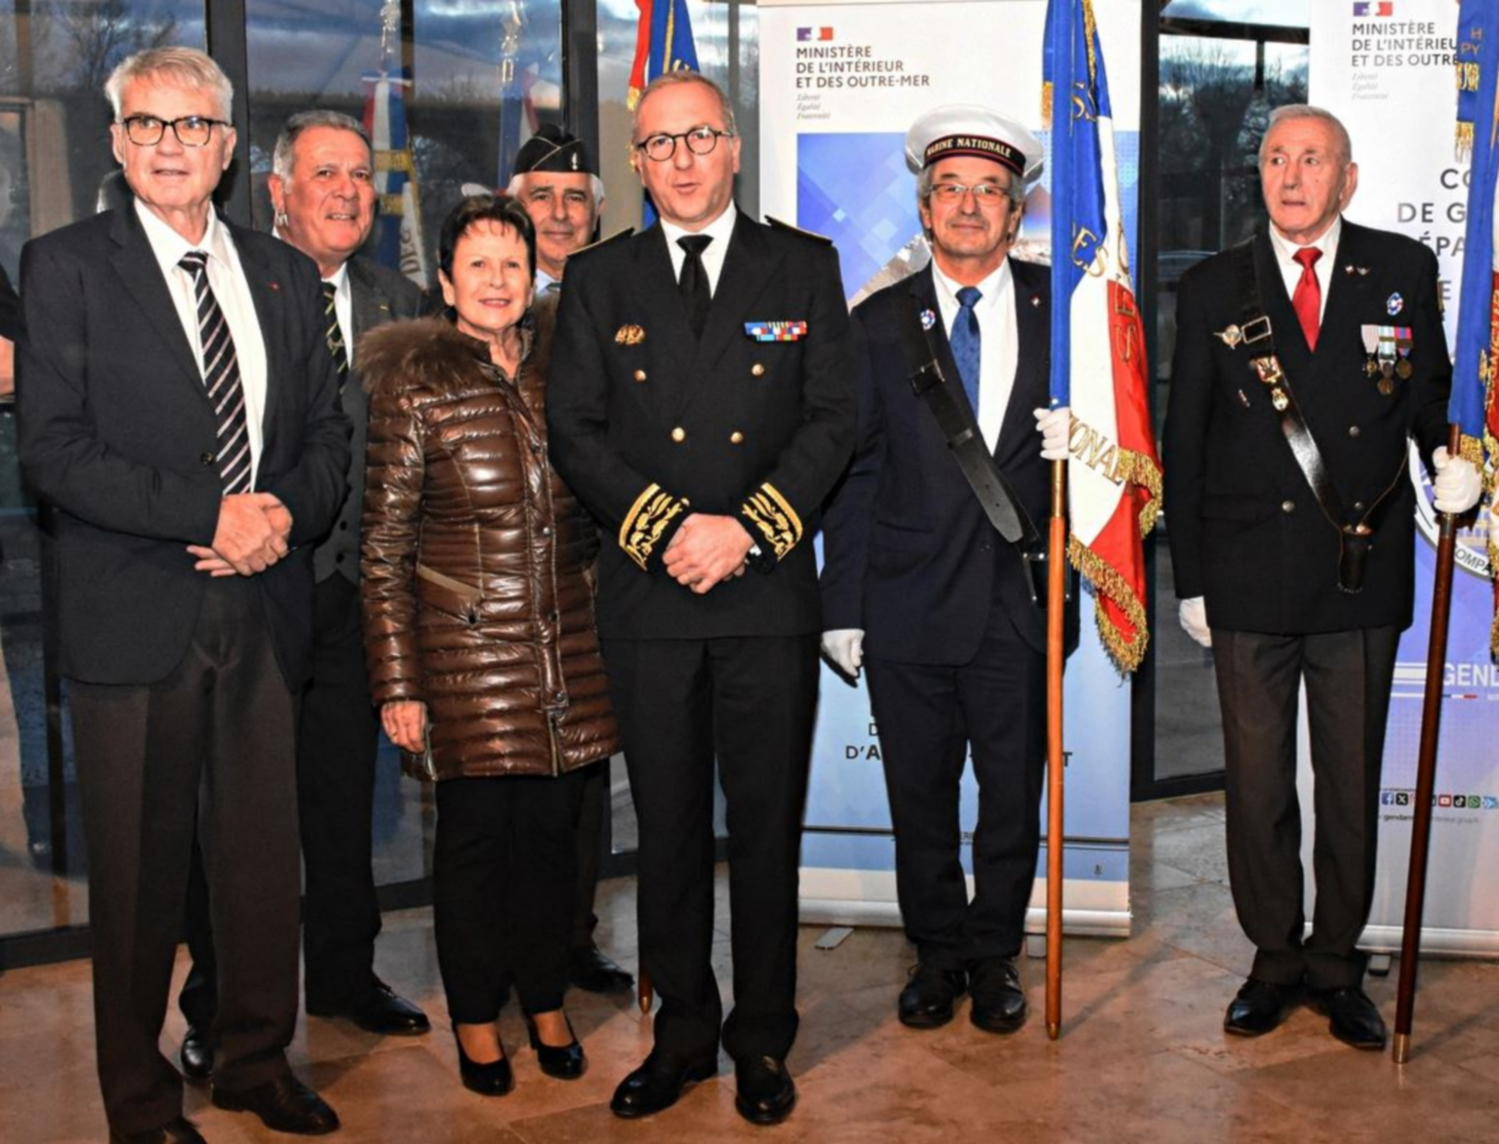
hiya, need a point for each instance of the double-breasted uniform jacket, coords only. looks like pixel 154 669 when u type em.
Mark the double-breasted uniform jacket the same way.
pixel 117 432
pixel 1246 531
pixel 475 595
pixel 379 295
pixel 910 556
pixel 650 424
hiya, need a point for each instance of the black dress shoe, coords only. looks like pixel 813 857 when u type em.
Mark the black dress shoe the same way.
pixel 565 1062
pixel 377 1010
pixel 283 1105
pixel 1260 1006
pixel 196 1055
pixel 490 1078
pixel 766 1094
pixel 1355 1019
pixel 179 1131
pixel 927 1002
pixel 998 1000
pixel 594 971
pixel 658 1083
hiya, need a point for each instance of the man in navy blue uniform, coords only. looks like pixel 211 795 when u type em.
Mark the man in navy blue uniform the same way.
pixel 920 589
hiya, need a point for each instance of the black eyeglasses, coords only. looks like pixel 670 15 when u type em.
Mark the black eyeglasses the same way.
pixel 191 130
pixel 700 141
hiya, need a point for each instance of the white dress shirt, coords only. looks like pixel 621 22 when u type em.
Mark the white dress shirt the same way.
pixel 720 230
pixel 232 291
pixel 1290 269
pixel 998 352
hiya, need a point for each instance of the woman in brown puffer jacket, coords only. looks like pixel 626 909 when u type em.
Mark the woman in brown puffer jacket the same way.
pixel 479 630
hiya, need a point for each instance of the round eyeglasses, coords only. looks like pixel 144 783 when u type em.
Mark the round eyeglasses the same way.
pixel 700 141
pixel 191 130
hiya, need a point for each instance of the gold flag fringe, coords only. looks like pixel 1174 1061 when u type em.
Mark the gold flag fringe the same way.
pixel 1126 654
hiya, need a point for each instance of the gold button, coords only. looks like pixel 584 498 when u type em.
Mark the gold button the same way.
pixel 736 438
pixel 640 375
pixel 679 434
pixel 1354 430
pixel 1288 506
pixel 757 370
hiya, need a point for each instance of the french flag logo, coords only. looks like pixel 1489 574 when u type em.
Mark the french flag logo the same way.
pixel 806 34
pixel 1376 8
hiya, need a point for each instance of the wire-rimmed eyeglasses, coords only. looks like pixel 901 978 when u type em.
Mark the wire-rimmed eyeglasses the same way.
pixel 191 130
pixel 991 193
pixel 700 141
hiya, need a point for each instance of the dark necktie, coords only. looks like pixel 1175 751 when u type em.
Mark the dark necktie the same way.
pixel 1307 301
pixel 334 333
pixel 966 344
pixel 221 379
pixel 694 280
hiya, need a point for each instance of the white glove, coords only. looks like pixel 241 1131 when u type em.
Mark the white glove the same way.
pixel 1458 485
pixel 1055 427
pixel 845 647
pixel 1194 621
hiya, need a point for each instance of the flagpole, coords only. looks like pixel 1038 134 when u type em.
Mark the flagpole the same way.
pixel 1426 768
pixel 1056 604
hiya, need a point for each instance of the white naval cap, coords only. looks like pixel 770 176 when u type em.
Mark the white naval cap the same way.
pixel 969 129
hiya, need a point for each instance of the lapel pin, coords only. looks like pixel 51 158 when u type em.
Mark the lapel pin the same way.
pixel 1035 299
pixel 1394 304
pixel 629 335
pixel 1231 336
pixel 928 319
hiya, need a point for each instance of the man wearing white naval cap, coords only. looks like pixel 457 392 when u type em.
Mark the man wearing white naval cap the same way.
pixel 921 590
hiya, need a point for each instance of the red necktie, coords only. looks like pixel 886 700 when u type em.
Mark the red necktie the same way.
pixel 1307 301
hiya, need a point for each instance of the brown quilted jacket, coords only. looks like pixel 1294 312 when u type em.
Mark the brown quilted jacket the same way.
pixel 474 591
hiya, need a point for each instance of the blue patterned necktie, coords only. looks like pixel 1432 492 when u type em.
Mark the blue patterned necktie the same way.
pixel 221 379
pixel 966 344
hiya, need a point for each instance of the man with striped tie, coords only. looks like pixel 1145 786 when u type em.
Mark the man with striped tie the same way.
pixel 180 413
pixel 322 189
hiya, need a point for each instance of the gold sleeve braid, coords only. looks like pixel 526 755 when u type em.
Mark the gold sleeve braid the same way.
pixel 778 526
pixel 650 515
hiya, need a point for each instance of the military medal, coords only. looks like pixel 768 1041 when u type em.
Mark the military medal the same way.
pixel 1403 347
pixel 1370 334
pixel 1386 355
pixel 776 331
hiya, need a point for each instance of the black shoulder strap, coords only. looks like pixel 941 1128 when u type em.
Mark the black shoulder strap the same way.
pixel 980 469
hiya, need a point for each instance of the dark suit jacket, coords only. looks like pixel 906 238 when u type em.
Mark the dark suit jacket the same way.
pixel 10 310
pixel 379 295
pixel 645 419
pixel 118 434
pixel 1246 531
pixel 909 556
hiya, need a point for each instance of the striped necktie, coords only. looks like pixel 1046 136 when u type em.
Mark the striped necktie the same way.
pixel 335 333
pixel 221 379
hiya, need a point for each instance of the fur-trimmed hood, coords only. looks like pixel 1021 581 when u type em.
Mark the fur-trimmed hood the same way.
pixel 432 354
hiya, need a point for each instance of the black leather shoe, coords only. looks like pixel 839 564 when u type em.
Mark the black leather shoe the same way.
pixel 1354 1019
pixel 927 1002
pixel 1260 1006
pixel 490 1078
pixel 377 1010
pixel 766 1094
pixel 998 1000
pixel 179 1131
pixel 658 1083
pixel 565 1062
pixel 283 1105
pixel 594 971
pixel 196 1055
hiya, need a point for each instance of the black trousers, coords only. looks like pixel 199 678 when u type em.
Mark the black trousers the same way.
pixel 750 703
pixel 1348 676
pixel 210 749
pixel 928 718
pixel 589 839
pixel 337 737
pixel 504 869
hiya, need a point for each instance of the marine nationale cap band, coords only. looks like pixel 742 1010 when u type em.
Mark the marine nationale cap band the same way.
pixel 982 146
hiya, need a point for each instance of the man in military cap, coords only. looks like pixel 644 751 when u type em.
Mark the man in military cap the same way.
pixel 557 182
pixel 920 589
pixel 701 406
pixel 1306 361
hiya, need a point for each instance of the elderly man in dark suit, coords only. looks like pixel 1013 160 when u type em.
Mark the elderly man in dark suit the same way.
pixel 179 410
pixel 322 189
pixel 1306 360
pixel 701 406
pixel 919 588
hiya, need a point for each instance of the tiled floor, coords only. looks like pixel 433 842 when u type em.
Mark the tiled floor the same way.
pixel 1141 1058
